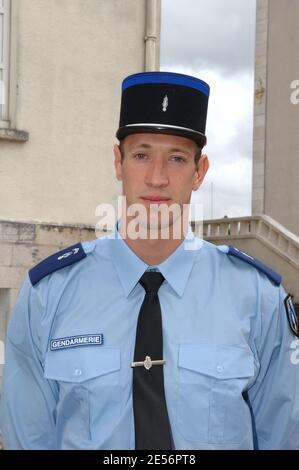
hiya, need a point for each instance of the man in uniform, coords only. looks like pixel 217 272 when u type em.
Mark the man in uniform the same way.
pixel 153 342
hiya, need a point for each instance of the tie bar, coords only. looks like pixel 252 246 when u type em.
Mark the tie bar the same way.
pixel 148 363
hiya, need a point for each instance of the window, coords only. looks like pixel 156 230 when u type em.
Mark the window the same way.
pixel 4 58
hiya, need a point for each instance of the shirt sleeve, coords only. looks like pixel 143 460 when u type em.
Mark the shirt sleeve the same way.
pixel 274 398
pixel 28 399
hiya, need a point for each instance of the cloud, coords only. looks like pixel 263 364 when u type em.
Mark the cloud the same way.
pixel 230 116
pixel 214 40
pixel 226 190
pixel 208 34
pixel 229 148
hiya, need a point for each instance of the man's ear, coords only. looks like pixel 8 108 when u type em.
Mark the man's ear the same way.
pixel 201 171
pixel 117 162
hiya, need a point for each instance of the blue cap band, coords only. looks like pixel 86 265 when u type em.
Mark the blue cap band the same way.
pixel 168 78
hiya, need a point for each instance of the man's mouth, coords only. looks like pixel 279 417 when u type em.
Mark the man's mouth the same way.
pixel 155 199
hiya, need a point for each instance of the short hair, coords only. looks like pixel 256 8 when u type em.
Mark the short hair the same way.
pixel 197 154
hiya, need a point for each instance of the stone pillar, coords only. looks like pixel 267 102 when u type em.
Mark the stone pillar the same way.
pixel 259 130
pixel 276 116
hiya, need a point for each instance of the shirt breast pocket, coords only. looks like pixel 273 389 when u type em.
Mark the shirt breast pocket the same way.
pixel 88 380
pixel 211 408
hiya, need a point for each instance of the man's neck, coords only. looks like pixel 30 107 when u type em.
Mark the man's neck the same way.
pixel 153 252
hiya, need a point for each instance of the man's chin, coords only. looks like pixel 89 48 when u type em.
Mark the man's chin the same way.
pixel 172 228
pixel 156 222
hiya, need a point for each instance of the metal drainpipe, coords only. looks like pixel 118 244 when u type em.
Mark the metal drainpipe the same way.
pixel 153 8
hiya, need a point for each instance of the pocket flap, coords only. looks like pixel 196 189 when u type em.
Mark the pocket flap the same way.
pixel 221 362
pixel 80 364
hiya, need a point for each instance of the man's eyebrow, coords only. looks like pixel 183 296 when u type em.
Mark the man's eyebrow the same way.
pixel 138 146
pixel 180 150
pixel 148 146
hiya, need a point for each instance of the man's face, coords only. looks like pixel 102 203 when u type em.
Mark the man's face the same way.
pixel 158 169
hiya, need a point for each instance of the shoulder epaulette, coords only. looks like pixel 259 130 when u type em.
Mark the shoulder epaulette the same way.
pixel 59 260
pixel 275 277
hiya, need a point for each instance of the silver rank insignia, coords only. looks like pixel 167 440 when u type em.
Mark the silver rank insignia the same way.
pixel 292 315
pixel 165 103
pixel 69 253
pixel 148 363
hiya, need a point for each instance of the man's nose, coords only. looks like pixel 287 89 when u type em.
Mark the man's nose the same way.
pixel 157 174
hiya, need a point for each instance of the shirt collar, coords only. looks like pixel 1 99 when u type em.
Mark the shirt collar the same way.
pixel 176 268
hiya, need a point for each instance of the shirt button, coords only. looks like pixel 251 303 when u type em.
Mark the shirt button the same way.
pixel 219 369
pixel 78 372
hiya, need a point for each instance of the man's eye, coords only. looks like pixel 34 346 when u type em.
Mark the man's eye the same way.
pixel 177 159
pixel 140 156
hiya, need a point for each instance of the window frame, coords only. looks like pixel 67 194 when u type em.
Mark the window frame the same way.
pixel 5 9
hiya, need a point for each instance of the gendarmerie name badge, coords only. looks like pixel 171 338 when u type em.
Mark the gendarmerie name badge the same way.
pixel 75 341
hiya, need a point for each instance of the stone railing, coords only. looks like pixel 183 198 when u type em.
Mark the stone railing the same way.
pixel 261 227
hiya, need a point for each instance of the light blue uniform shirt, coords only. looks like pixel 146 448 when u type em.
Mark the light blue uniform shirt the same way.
pixel 229 379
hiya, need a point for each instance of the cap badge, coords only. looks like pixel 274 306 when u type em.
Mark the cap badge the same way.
pixel 165 103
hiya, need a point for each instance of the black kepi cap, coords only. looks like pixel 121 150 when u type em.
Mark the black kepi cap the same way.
pixel 164 103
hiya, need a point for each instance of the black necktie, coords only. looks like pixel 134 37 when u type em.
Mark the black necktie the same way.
pixel 152 429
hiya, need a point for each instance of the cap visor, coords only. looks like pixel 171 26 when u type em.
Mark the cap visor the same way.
pixel 197 137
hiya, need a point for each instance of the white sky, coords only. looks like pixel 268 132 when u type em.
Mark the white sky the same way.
pixel 214 40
